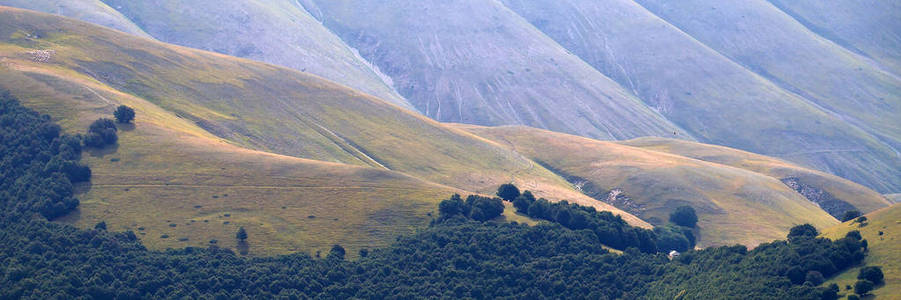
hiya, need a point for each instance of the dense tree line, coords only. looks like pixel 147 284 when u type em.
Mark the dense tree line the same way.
pixel 38 165
pixel 457 256
pixel 475 207
pixel 610 229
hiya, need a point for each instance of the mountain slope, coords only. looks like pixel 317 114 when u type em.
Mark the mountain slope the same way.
pixel 734 205
pixel 278 32
pixel 869 28
pixel 478 62
pixel 168 176
pixel 714 99
pixel 762 38
pixel 885 249
pixel 821 186
pixel 93 11
pixel 236 102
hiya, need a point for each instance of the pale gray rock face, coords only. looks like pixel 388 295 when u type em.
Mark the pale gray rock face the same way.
pixel 478 62
pixel 93 11
pixel 280 32
pixel 716 99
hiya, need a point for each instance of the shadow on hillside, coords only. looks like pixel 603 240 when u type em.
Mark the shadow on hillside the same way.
pixel 243 247
pixel 126 127
pixel 101 152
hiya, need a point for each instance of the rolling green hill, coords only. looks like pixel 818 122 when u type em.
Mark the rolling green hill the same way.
pixel 167 170
pixel 738 196
pixel 715 99
pixel 883 234
pixel 862 198
pixel 203 117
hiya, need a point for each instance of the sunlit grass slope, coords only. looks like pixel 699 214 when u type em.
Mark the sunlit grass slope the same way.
pixel 267 108
pixel 864 199
pixel 169 177
pixel 203 120
pixel 885 249
pixel 734 205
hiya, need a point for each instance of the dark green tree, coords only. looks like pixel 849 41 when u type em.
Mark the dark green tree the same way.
pixel 451 207
pixel 508 191
pixel 337 252
pixel 684 216
pixel 814 277
pixel 102 132
pixel 802 231
pixel 242 234
pixel 862 287
pixel 124 114
pixel 850 215
pixel 871 273
pixel 100 226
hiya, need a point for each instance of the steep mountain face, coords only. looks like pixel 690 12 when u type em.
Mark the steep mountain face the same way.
pixel 478 62
pixel 702 91
pixel 278 32
pixel 764 39
pixel 93 11
pixel 868 28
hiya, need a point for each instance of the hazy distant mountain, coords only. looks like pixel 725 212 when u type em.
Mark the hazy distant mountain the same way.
pixel 94 11
pixel 868 28
pixel 478 62
pixel 716 99
pixel 757 35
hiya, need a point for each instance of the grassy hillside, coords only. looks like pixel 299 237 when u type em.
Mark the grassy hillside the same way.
pixel 275 31
pixel 478 62
pixel 715 99
pixel 734 205
pixel 93 11
pixel 759 36
pixel 167 171
pixel 202 117
pixel 864 199
pixel 872 29
pixel 885 249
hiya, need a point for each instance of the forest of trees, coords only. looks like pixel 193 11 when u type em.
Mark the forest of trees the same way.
pixel 461 254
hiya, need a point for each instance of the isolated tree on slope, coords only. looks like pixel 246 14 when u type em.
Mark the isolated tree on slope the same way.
pixel 508 192
pixel 124 114
pixel 241 235
pixel 684 216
